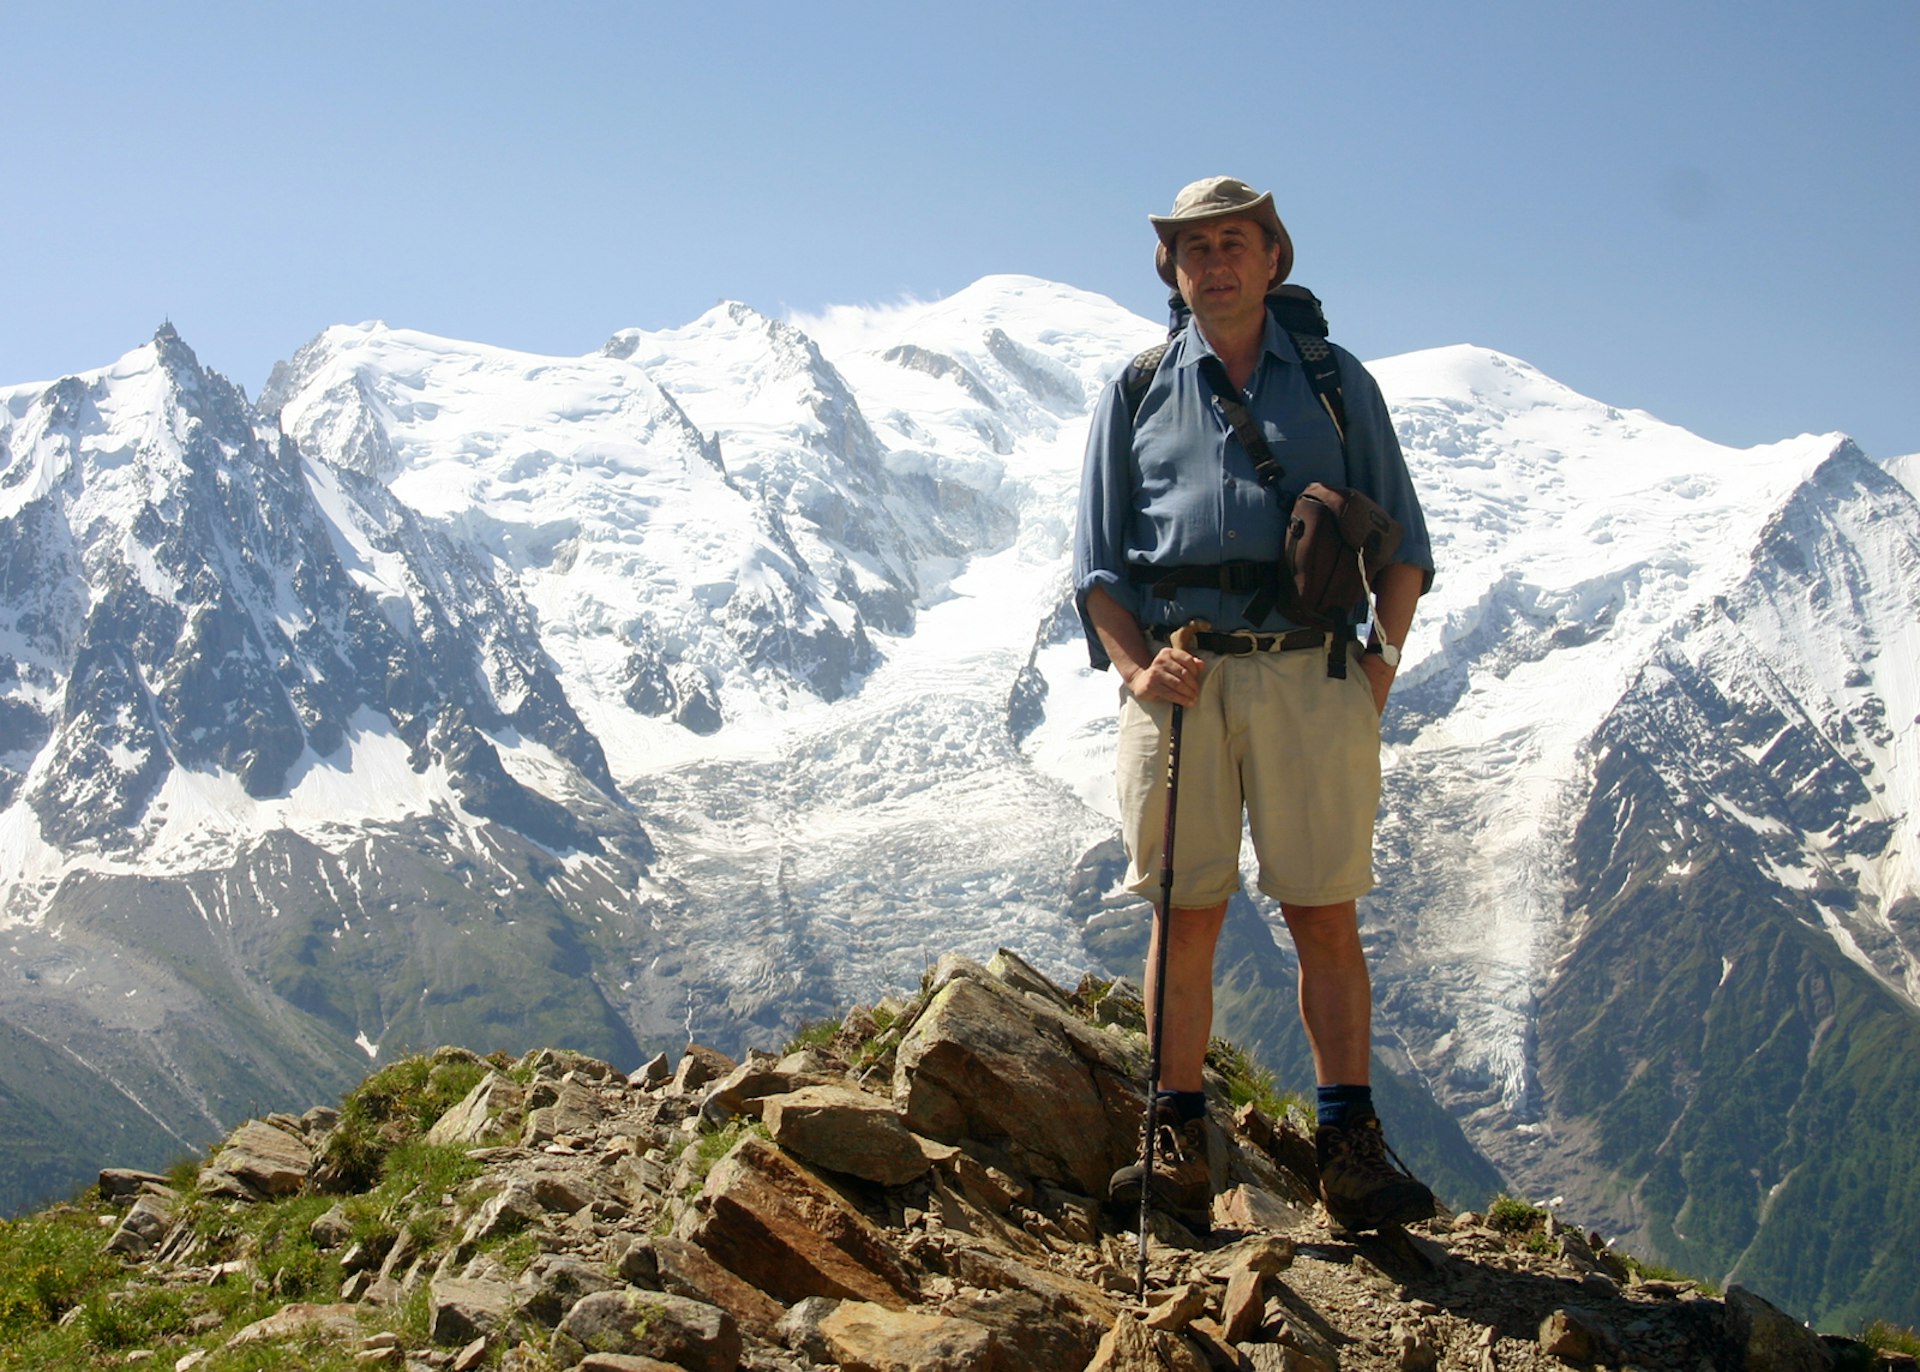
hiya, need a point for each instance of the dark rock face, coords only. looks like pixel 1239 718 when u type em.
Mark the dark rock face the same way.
pixel 224 633
pixel 1730 1026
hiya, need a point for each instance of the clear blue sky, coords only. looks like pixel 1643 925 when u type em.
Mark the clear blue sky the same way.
pixel 1705 210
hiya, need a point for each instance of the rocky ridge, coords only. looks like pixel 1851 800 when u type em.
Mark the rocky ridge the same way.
pixel 915 1190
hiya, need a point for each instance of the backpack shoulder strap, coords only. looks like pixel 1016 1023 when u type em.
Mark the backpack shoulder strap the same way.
pixel 1138 375
pixel 1323 374
pixel 1298 310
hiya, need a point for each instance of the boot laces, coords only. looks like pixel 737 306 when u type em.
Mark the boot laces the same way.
pixel 1364 1148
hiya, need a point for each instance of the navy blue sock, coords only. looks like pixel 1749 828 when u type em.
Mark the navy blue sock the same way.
pixel 1187 1105
pixel 1340 1105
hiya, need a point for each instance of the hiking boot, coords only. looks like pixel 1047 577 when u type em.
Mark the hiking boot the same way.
pixel 1362 1183
pixel 1189 1161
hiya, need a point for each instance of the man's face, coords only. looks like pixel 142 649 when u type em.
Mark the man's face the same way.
pixel 1223 267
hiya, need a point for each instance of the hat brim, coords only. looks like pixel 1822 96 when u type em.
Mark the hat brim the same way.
pixel 1260 211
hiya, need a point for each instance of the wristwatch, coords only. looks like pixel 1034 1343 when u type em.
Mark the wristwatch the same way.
pixel 1387 652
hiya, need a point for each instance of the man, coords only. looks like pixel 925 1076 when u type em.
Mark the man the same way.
pixel 1175 526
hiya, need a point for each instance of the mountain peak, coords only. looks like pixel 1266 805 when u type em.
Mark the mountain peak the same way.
pixel 177 360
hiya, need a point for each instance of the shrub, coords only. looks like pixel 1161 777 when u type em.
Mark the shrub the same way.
pixel 1511 1216
pixel 133 1317
pixel 1891 1338
pixel 49 1263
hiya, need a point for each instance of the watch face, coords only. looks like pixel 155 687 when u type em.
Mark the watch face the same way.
pixel 1387 653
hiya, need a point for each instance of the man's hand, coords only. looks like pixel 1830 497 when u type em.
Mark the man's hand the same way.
pixel 1172 676
pixel 1380 677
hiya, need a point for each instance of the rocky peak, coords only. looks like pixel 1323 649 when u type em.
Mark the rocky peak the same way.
pixel 919 1188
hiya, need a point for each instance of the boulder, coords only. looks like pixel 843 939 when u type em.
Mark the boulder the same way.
pixel 850 1131
pixel 144 1226
pixel 1043 1318
pixel 799 1328
pixel 685 1269
pixel 469 1119
pixel 331 1229
pixel 985 1062
pixel 682 1333
pixel 1568 1337
pixel 1767 1339
pixel 554 1283
pixel 778 1227
pixel 507 1212
pixel 623 1362
pixel 1253 1210
pixel 576 1110
pixel 744 1090
pixel 1244 1305
pixel 1129 1346
pixel 656 1071
pixel 301 1318
pixel 565 1190
pixel 863 1337
pixel 1033 1328
pixel 124 1183
pixel 465 1308
pixel 258 1162
pixel 698 1066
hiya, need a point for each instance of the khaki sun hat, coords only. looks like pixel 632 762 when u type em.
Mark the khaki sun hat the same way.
pixel 1219 197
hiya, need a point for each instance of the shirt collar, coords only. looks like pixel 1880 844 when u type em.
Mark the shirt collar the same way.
pixel 1275 342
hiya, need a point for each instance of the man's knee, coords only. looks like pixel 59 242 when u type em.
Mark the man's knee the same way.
pixel 1324 926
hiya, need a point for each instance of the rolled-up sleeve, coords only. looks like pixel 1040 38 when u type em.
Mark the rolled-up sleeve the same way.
pixel 1106 507
pixel 1376 464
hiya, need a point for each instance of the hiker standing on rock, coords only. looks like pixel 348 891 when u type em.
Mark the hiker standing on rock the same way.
pixel 1176 525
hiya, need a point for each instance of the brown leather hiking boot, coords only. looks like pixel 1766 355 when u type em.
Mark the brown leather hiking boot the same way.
pixel 1189 1162
pixel 1362 1183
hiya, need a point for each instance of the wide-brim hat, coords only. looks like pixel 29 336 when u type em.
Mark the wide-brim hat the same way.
pixel 1219 197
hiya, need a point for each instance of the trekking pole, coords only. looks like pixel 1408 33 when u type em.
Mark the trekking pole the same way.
pixel 1182 639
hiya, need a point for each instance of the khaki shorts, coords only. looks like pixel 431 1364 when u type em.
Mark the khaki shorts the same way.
pixel 1273 737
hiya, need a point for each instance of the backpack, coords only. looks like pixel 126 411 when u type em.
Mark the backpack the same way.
pixel 1337 540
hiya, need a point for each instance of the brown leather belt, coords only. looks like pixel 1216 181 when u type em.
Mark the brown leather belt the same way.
pixel 1245 642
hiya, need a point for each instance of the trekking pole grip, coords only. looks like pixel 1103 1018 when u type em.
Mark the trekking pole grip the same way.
pixel 1182 637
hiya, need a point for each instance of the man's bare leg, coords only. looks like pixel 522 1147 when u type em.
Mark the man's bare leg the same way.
pixel 1361 1187
pixel 1189 1009
pixel 1336 994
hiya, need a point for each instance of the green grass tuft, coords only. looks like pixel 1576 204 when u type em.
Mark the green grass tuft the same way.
pixel 1248 1083
pixel 1511 1216
pixel 392 1107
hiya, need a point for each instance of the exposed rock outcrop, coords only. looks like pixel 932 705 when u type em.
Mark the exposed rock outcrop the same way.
pixel 921 1193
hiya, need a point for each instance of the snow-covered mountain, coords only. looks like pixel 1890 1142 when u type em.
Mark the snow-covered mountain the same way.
pixel 719 678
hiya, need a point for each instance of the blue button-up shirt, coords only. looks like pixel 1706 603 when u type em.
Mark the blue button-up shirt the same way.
pixel 1175 488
